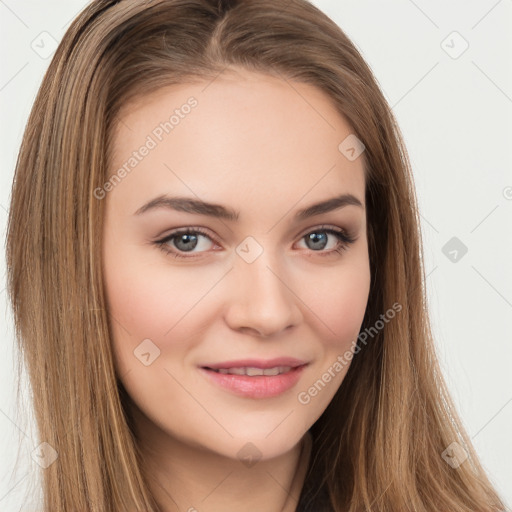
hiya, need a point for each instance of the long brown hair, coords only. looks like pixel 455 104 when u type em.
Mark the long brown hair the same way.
pixel 379 444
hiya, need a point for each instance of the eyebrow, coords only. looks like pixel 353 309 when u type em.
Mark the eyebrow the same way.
pixel 190 205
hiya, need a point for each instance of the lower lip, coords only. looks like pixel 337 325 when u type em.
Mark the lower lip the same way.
pixel 260 386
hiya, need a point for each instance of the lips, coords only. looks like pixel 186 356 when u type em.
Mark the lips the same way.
pixel 252 378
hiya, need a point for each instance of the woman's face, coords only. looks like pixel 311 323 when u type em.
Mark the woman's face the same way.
pixel 260 287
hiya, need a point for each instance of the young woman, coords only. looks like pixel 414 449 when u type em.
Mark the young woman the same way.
pixel 215 269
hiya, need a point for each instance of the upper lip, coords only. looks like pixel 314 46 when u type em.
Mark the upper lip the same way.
pixel 257 363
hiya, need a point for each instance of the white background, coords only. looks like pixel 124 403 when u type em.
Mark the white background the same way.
pixel 456 118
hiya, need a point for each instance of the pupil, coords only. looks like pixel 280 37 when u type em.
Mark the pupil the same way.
pixel 315 238
pixel 190 241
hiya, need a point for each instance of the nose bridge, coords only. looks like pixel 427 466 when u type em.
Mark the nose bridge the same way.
pixel 261 278
pixel 263 298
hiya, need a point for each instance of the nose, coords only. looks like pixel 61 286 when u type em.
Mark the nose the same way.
pixel 263 300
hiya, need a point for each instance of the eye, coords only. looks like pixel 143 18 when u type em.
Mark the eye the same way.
pixel 183 241
pixel 317 239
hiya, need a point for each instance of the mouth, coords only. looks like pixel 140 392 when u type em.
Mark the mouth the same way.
pixel 263 380
pixel 252 371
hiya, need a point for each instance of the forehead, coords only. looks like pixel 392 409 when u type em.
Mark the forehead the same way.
pixel 243 135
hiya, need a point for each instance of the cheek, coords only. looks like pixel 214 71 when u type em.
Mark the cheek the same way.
pixel 339 303
pixel 154 302
pixel 338 306
pixel 148 300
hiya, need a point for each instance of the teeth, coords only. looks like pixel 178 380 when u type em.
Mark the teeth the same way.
pixel 254 372
pixel 236 371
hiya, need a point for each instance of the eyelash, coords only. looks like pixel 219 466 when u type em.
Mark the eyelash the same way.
pixel 343 237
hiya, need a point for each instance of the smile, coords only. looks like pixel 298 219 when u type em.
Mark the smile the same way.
pixel 254 372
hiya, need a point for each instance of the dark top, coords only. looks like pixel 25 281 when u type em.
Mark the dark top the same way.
pixel 314 502
pixel 312 499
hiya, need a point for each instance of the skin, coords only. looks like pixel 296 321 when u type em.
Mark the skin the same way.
pixel 258 145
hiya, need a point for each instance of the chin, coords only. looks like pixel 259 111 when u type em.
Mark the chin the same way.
pixel 267 439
